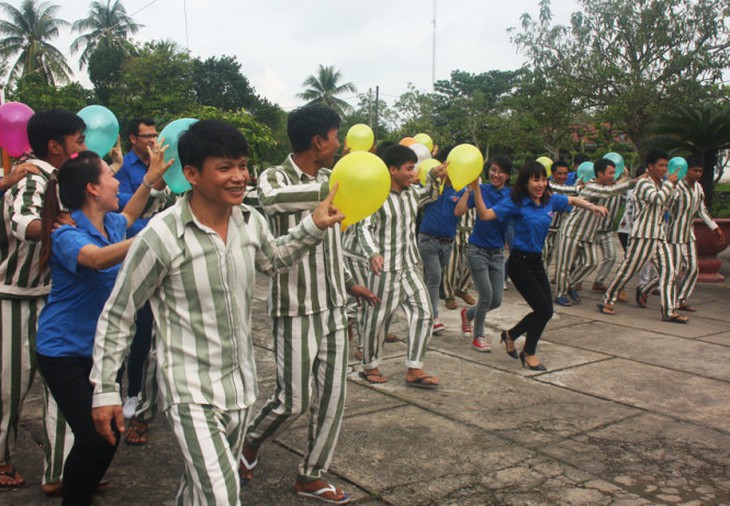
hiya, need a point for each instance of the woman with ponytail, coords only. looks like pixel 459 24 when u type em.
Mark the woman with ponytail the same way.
pixel 84 260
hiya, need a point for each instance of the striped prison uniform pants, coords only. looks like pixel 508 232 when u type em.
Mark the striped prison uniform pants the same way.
pixel 147 407
pixel 211 440
pixel 548 248
pixel 684 260
pixel 575 260
pixel 641 251
pixel 607 245
pixel 457 277
pixel 402 288
pixel 359 271
pixel 311 370
pixel 18 327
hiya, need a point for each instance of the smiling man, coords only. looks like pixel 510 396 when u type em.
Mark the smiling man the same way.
pixel 195 264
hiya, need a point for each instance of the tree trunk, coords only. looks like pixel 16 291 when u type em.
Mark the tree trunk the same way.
pixel 708 176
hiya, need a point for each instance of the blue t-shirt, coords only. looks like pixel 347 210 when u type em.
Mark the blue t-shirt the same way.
pixel 130 178
pixel 489 234
pixel 438 216
pixel 572 178
pixel 67 324
pixel 531 221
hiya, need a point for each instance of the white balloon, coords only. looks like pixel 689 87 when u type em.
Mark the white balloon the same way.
pixel 421 151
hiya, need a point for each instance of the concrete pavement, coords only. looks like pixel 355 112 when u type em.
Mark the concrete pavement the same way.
pixel 632 411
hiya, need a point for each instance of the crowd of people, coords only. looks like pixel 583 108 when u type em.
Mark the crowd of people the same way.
pixel 101 265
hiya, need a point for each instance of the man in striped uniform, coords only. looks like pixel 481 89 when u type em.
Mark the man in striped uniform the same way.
pixel 357 265
pixel 687 204
pixel 648 238
pixel 195 264
pixel 396 277
pixel 577 256
pixel 308 307
pixel 558 184
pixel 457 277
pixel 54 136
pixel 607 243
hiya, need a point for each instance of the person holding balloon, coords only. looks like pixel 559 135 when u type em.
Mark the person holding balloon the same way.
pixel 395 276
pixel 687 204
pixel 648 240
pixel 54 136
pixel 308 305
pixel 84 260
pixel 485 252
pixel 530 205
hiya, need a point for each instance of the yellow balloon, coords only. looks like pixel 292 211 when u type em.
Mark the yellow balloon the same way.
pixel 364 185
pixel 465 165
pixel 407 141
pixel 424 167
pixel 547 163
pixel 424 139
pixel 360 137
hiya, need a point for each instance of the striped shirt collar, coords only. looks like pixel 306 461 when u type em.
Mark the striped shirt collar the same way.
pixel 44 166
pixel 297 174
pixel 240 215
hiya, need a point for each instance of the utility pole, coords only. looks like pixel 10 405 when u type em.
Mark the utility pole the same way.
pixel 377 106
pixel 433 59
pixel 370 107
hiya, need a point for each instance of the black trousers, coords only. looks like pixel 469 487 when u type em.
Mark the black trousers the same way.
pixel 527 273
pixel 91 455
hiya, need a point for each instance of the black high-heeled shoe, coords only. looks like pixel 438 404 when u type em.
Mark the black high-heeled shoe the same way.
pixel 504 340
pixel 538 367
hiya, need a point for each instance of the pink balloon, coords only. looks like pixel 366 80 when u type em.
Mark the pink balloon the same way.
pixel 14 118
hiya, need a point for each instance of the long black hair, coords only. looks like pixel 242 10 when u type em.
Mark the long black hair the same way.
pixel 531 170
pixel 70 184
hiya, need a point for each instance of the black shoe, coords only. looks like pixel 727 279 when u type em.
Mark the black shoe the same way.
pixel 538 367
pixel 504 340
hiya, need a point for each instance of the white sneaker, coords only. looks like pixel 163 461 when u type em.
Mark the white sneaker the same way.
pixel 130 407
pixel 438 326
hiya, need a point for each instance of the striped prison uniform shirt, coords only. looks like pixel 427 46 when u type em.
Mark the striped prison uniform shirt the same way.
pixel 650 199
pixel 391 231
pixel 20 274
pixel 557 222
pixel 688 203
pixel 457 277
pixel 200 290
pixel 582 223
pixel 319 281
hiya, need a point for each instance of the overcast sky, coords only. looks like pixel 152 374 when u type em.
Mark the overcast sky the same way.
pixel 375 42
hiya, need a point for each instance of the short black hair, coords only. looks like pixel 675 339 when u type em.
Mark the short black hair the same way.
pixel 382 147
pixel 308 121
pixel 655 155
pixel 504 162
pixel 52 125
pixel 397 155
pixel 560 163
pixel 580 158
pixel 602 164
pixel 208 138
pixel 134 123
pixel 695 161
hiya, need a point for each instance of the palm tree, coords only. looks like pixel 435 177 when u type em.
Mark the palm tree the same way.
pixel 702 130
pixel 324 87
pixel 107 23
pixel 28 32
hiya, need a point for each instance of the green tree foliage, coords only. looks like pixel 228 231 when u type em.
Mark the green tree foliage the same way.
pixel 703 130
pixel 218 82
pixel 630 57
pixel 324 88
pixel 33 91
pixel 27 34
pixel 105 68
pixel 107 23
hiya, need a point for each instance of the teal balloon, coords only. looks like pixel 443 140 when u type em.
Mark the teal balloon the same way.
pixel 678 165
pixel 174 176
pixel 102 128
pixel 586 172
pixel 618 161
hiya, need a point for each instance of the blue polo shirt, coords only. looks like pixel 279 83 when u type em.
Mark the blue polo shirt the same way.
pixel 438 216
pixel 489 234
pixel 572 178
pixel 67 323
pixel 531 221
pixel 130 178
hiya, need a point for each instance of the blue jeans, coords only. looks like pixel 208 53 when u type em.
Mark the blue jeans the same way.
pixel 435 254
pixel 487 271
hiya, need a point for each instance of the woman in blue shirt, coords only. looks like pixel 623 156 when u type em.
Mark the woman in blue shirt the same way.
pixel 485 253
pixel 84 260
pixel 531 207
